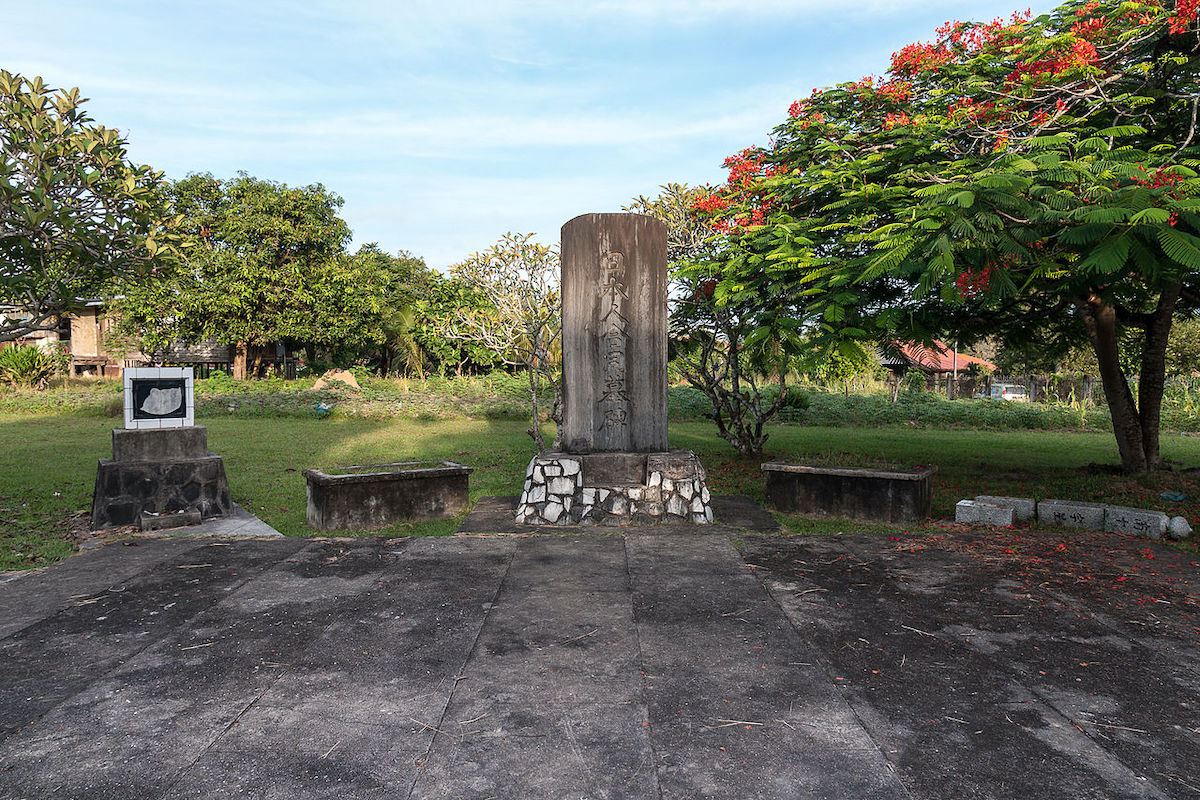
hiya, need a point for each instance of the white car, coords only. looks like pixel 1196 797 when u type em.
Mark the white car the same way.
pixel 1009 391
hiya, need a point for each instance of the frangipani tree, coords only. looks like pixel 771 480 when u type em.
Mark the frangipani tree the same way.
pixel 520 318
pixel 75 212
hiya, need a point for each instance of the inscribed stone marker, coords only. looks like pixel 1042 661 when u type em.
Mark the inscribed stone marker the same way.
pixel 614 293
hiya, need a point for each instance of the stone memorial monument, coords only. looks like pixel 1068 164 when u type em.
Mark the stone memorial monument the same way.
pixel 161 473
pixel 615 466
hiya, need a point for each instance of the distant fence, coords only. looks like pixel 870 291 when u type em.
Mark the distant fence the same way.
pixel 1084 389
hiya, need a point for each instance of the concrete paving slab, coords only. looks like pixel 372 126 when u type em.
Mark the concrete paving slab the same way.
pixel 739 706
pixel 550 704
pixel 949 661
pixel 47 590
pixel 956 664
pixel 358 711
pixel 96 634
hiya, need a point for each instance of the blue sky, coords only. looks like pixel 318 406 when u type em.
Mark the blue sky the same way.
pixel 445 124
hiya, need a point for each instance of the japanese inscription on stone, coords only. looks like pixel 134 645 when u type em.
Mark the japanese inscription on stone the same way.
pixel 614 402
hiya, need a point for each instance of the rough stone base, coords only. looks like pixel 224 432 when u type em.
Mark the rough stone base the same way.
pixel 124 489
pixel 614 489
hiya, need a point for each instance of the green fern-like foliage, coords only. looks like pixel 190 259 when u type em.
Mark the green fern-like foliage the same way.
pixel 28 366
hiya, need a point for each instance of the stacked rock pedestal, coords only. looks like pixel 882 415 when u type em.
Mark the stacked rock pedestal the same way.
pixel 157 471
pixel 614 489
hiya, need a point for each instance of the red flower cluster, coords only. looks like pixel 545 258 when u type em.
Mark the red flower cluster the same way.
pixel 710 203
pixel 972 283
pixel 1092 30
pixel 746 169
pixel 919 57
pixel 974 37
pixel 799 110
pixel 954 38
pixel 1161 177
pixel 896 119
pixel 1081 54
pixel 898 91
pixel 1185 15
pixel 976 112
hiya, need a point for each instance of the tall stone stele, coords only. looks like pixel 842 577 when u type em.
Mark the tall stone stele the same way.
pixel 615 466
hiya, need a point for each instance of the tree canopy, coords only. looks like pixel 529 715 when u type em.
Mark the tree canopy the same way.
pixel 75 213
pixel 1024 177
pixel 266 263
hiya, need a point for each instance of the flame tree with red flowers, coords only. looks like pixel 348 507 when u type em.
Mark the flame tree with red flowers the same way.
pixel 1028 177
pixel 720 348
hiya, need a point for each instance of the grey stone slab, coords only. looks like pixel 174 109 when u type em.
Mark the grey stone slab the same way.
pixel 550 704
pixel 1071 514
pixel 357 711
pixel 96 634
pixel 375 495
pixel 1024 508
pixel 32 595
pixel 860 493
pixel 976 511
pixel 950 661
pixel 736 706
pixel 1138 521
pixel 614 333
pixel 131 733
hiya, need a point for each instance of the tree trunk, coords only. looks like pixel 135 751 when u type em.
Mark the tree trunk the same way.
pixel 535 430
pixel 239 361
pixel 256 362
pixel 1135 426
pixel 385 360
pixel 1154 373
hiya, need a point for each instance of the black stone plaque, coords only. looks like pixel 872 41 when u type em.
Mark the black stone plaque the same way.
pixel 159 398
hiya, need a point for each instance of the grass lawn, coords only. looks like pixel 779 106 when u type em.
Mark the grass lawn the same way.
pixel 50 466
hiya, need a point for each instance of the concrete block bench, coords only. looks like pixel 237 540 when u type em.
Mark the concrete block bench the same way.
pixel 856 492
pixel 373 495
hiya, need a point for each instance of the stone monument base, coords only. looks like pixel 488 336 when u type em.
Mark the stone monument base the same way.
pixel 614 489
pixel 159 471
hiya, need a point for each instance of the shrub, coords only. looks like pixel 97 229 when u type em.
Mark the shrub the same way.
pixel 28 365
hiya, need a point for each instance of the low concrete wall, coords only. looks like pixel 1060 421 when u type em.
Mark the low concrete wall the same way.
pixel 373 495
pixel 858 493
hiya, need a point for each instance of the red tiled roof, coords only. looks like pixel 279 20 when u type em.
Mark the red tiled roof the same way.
pixel 939 358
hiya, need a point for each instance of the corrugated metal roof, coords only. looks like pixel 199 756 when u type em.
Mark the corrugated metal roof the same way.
pixel 938 358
